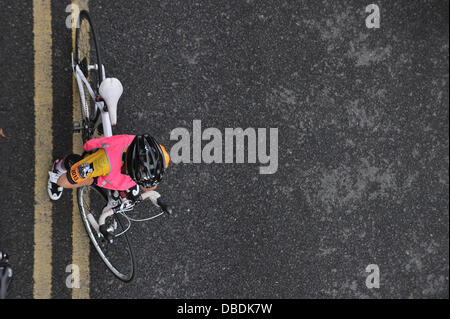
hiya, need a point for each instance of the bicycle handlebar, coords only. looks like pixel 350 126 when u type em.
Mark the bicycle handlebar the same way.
pixel 154 196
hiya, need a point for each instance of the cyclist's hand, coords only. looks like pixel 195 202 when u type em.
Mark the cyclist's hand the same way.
pixel 148 189
pixel 104 230
pixel 166 208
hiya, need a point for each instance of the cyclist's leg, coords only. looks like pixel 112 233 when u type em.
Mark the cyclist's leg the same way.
pixel 58 169
pixel 72 178
pixel 64 182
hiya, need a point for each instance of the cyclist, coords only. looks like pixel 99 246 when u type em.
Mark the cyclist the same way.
pixel 117 162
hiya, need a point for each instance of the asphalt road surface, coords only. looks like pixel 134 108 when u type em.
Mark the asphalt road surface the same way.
pixel 363 152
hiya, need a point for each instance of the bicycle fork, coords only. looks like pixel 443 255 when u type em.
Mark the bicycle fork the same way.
pixel 113 207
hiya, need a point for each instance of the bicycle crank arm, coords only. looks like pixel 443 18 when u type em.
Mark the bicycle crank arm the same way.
pixel 76 126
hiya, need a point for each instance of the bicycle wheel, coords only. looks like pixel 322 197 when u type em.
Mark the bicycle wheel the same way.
pixel 87 56
pixel 117 256
pixel 87 50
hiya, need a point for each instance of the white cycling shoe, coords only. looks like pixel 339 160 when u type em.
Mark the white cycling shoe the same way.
pixel 54 190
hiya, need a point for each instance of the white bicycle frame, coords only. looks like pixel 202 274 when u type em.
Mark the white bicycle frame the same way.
pixel 107 131
pixel 99 105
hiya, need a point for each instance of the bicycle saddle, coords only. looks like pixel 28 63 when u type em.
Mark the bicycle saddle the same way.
pixel 110 90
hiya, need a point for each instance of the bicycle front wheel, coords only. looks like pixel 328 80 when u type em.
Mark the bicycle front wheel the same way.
pixel 117 256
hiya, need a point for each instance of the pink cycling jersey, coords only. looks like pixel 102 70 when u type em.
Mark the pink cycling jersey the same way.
pixel 114 147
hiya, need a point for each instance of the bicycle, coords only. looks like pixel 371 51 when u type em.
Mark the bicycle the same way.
pixel 5 274
pixel 104 212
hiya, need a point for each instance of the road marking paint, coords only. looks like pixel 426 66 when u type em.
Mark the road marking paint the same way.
pixel 80 239
pixel 43 146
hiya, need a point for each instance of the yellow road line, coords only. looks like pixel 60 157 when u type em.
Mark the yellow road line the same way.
pixel 43 145
pixel 80 240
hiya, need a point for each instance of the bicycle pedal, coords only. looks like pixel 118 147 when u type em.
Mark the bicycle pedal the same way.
pixel 76 126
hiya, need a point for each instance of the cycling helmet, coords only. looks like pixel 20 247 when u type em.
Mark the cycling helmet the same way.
pixel 146 160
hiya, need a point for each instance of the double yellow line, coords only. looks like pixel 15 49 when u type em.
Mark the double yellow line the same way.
pixel 43 145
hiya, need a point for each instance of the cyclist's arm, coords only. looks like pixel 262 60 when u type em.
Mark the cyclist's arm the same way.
pixel 143 189
pixel 91 166
pixel 64 182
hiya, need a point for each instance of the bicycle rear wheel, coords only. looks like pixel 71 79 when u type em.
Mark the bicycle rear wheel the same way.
pixel 87 51
pixel 117 256
pixel 88 58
